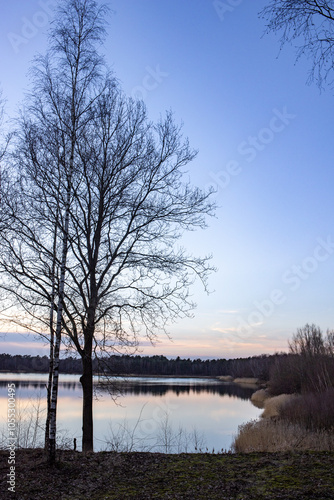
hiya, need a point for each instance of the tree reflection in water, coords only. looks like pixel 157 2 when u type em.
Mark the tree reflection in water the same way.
pixel 151 385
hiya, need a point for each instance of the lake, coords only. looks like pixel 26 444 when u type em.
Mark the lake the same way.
pixel 134 414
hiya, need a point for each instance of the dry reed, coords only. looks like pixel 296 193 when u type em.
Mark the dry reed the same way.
pixel 245 380
pixel 225 378
pixel 271 435
pixel 273 407
pixel 258 398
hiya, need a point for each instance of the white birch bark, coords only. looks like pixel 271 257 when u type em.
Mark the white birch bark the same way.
pixel 55 376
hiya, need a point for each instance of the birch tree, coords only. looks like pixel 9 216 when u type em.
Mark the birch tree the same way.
pixel 65 84
pixel 104 202
pixel 72 73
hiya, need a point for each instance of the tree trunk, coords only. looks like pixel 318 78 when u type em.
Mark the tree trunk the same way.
pixel 52 334
pixel 48 398
pixel 61 293
pixel 87 389
pixel 54 399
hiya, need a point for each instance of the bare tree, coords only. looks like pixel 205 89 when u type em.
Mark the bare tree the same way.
pixel 5 177
pixel 126 275
pixel 308 341
pixel 330 342
pixel 310 26
pixel 314 359
pixel 78 25
pixel 5 137
pixel 104 203
pixel 65 84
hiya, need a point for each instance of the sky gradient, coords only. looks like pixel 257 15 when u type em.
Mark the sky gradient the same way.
pixel 265 143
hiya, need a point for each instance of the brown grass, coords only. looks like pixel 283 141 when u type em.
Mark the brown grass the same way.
pixel 226 378
pixel 271 435
pixel 258 398
pixel 291 423
pixel 273 407
pixel 245 380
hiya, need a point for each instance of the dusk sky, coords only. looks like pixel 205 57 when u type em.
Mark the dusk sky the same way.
pixel 265 141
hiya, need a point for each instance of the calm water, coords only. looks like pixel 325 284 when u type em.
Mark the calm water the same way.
pixel 140 413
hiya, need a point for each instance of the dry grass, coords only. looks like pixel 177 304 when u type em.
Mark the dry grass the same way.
pixel 258 398
pixel 290 423
pixel 225 378
pixel 270 435
pixel 245 380
pixel 273 407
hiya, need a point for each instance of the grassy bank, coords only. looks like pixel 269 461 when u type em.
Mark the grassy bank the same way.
pixel 142 476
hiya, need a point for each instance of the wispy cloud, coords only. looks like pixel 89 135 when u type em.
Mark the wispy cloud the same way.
pixel 224 329
pixel 229 311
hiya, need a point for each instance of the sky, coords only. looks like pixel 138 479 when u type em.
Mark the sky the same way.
pixel 265 144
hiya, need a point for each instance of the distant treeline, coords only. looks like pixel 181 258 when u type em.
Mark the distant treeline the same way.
pixel 256 366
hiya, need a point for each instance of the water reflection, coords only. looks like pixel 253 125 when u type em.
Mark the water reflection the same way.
pixel 149 410
pixel 139 387
pixel 30 384
pixel 145 386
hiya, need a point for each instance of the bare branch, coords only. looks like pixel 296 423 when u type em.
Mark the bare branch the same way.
pixel 309 26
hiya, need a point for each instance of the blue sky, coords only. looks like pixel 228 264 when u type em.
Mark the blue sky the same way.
pixel 265 143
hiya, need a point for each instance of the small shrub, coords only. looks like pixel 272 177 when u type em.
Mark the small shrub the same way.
pixel 285 375
pixel 315 411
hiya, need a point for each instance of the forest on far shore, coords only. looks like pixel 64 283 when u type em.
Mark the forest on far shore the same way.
pixel 256 366
pixel 307 367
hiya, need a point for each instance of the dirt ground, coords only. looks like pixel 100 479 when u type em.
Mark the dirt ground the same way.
pixel 109 475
